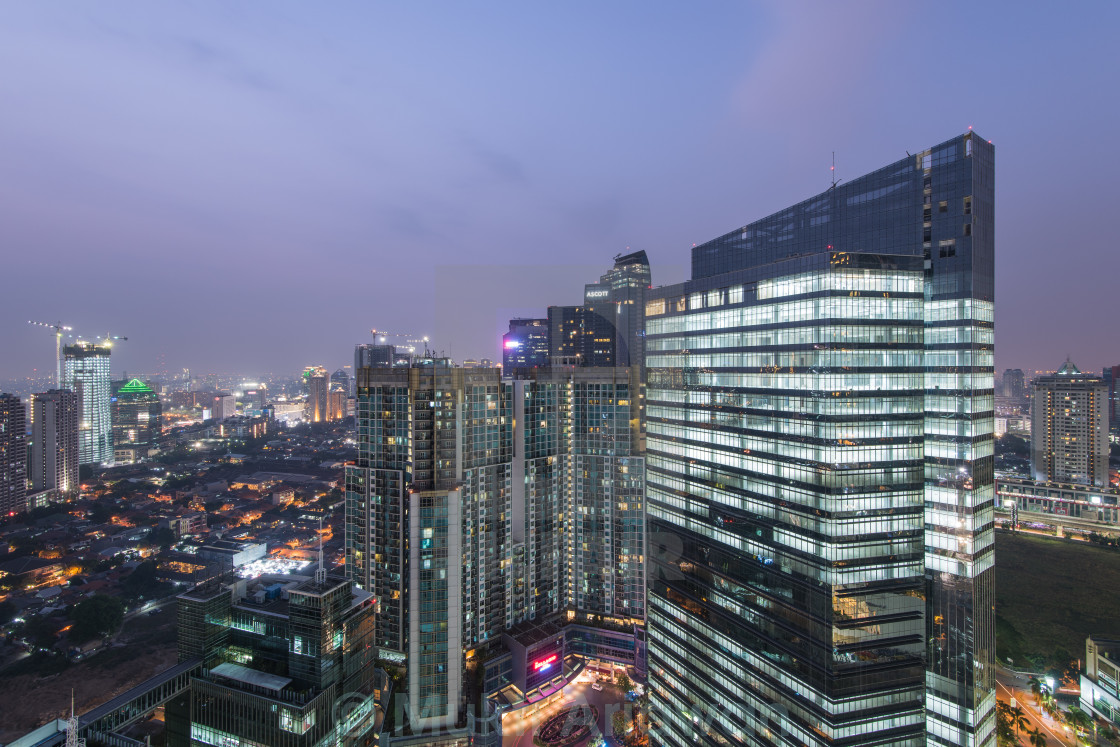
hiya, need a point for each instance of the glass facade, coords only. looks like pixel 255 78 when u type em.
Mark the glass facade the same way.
pixel 479 503
pixel 273 669
pixel 526 344
pixel 86 372
pixel 135 410
pixel 820 487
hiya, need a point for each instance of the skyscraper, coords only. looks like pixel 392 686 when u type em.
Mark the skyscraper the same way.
pixel 136 411
pixel 318 402
pixel 378 356
pixel 625 285
pixel 1069 427
pixel 13 455
pixel 481 508
pixel 820 475
pixel 1013 385
pixel 1111 377
pixel 54 442
pixel 85 371
pixel 526 344
pixel 342 381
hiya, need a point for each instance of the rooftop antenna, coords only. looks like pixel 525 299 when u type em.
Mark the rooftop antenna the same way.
pixel 833 169
pixel 321 571
pixel 72 738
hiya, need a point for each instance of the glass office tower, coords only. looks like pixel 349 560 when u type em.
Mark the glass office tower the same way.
pixel 819 466
pixel 86 372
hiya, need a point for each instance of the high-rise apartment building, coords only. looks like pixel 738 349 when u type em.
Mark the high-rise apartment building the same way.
pixel 136 412
pixel 482 507
pixel 13 455
pixel 85 370
pixel 54 442
pixel 1069 427
pixel 820 476
pixel 526 344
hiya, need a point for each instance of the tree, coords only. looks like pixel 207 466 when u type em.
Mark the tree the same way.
pixel 100 615
pixel 163 538
pixel 1018 719
pixel 622 682
pixel 1005 731
pixel 1079 718
pixel 40 631
pixel 7 611
pixel 1037 738
pixel 1036 687
pixel 619 723
pixel 142 580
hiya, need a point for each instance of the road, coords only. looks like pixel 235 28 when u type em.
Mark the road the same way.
pixel 519 732
pixel 1008 685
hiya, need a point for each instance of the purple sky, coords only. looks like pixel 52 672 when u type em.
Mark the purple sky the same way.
pixel 251 186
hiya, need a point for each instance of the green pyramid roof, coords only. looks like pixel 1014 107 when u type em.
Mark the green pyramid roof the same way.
pixel 136 387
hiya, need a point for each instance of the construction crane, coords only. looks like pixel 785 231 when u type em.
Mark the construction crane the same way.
pixel 58 328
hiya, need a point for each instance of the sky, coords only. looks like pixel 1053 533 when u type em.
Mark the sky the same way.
pixel 251 187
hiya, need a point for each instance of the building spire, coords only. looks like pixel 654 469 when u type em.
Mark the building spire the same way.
pixel 321 571
pixel 72 738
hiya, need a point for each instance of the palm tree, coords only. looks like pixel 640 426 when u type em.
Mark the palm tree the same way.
pixel 1004 730
pixel 1018 719
pixel 1036 688
pixel 1037 738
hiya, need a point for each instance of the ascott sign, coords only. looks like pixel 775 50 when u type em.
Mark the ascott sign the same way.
pixel 542 664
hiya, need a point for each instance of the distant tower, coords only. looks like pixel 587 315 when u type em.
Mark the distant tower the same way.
pixel 1013 385
pixel 318 404
pixel 13 455
pixel 526 344
pixel 367 355
pixel 340 380
pixel 54 441
pixel 1069 427
pixel 1111 378
pixel 86 372
pixel 136 412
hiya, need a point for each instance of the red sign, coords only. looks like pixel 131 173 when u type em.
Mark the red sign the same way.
pixel 544 663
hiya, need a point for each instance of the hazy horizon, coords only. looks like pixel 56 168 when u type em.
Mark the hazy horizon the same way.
pixel 245 188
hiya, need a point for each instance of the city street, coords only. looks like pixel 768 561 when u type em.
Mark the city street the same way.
pixel 1010 684
pixel 519 732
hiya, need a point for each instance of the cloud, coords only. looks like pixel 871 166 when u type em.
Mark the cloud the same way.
pixel 819 57
pixel 502 165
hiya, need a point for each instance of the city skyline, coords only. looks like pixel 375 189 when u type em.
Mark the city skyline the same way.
pixel 165 156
